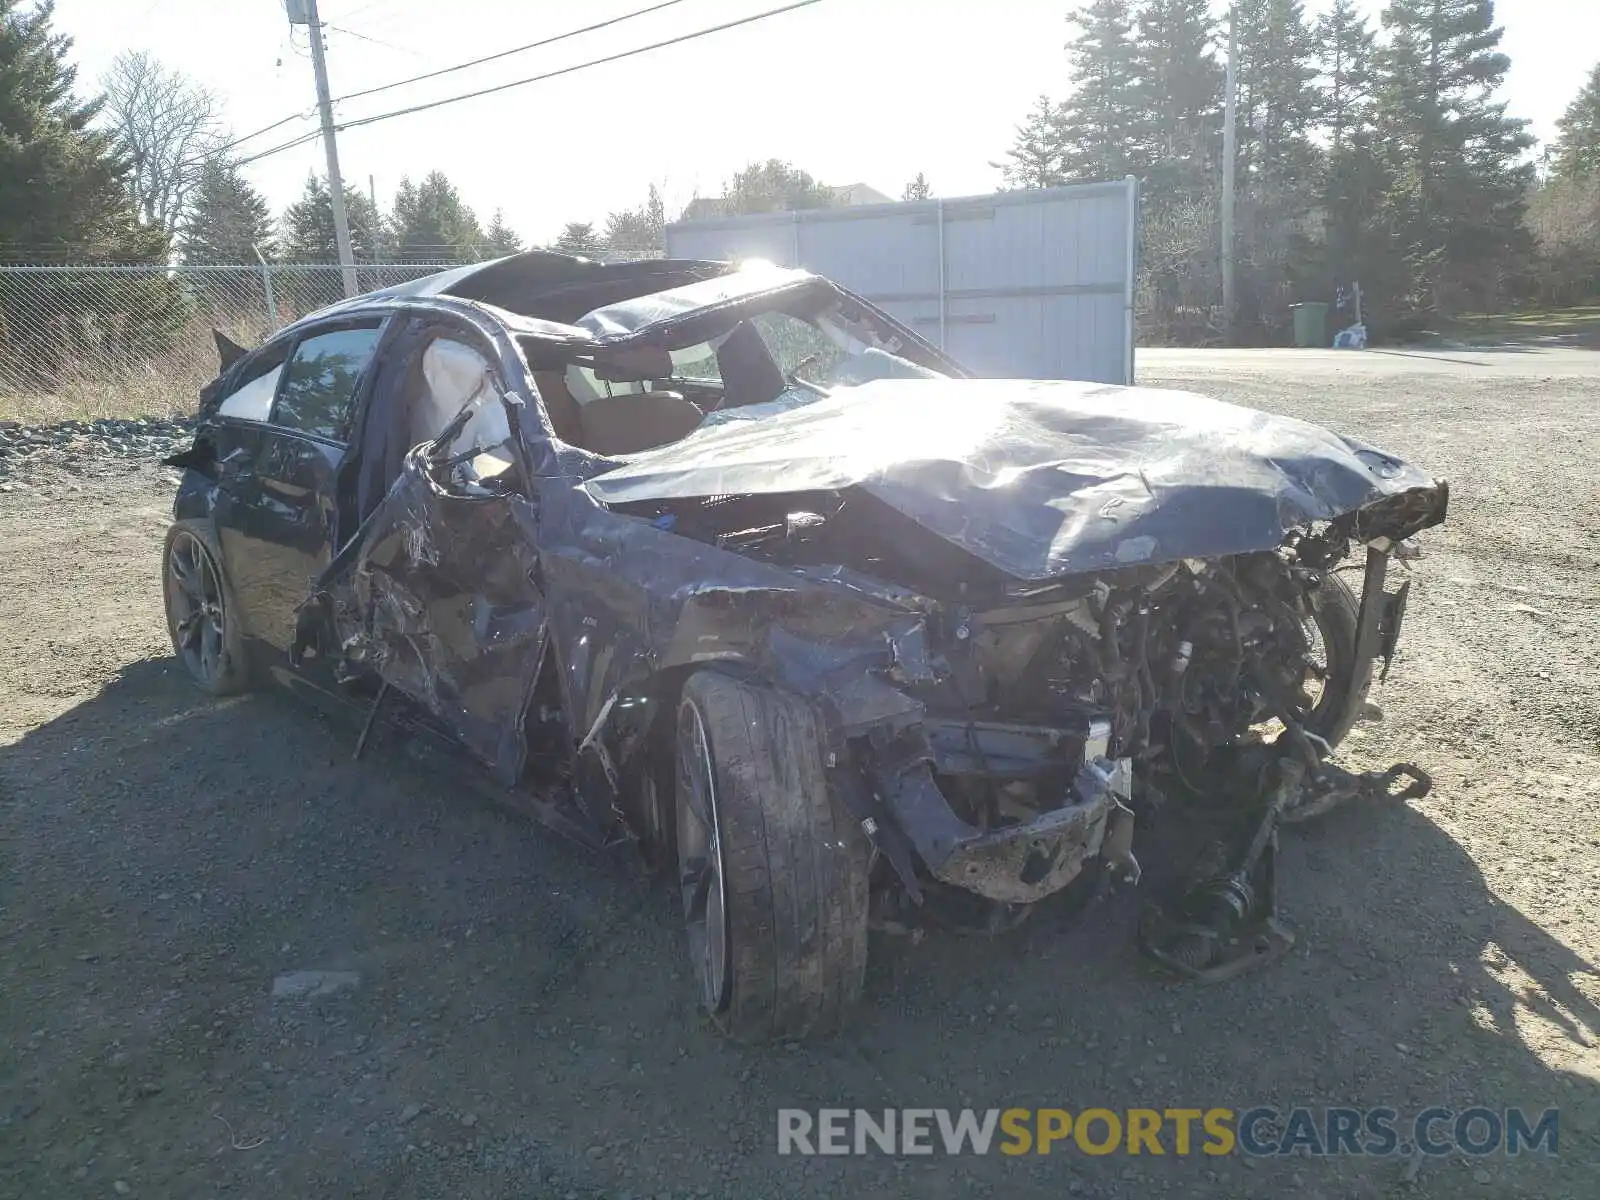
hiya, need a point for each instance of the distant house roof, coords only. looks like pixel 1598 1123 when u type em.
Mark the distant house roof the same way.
pixel 702 208
pixel 705 208
pixel 860 193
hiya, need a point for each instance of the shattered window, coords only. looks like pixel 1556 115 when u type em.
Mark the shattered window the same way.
pixel 794 343
pixel 697 363
pixel 320 381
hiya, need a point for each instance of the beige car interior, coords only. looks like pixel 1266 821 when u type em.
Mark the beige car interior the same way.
pixel 618 415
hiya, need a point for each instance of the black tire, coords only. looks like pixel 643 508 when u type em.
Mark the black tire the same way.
pixel 785 861
pixel 1337 615
pixel 216 659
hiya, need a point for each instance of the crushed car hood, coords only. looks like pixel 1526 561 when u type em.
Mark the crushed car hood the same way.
pixel 1038 478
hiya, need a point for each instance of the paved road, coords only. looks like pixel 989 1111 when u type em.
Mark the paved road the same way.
pixel 1539 362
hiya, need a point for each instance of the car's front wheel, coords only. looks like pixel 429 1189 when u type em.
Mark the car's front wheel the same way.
pixel 201 617
pixel 772 870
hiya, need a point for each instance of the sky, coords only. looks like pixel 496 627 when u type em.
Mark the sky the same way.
pixel 870 91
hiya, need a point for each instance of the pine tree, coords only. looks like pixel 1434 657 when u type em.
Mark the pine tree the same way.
pixel 918 189
pixel 431 223
pixel 308 235
pixel 1278 164
pixel 63 196
pixel 61 182
pixel 499 239
pixel 229 221
pixel 774 186
pixel 1036 159
pixel 1098 126
pixel 1346 48
pixel 1357 247
pixel 1576 153
pixel 1461 184
pixel 579 237
pixel 1179 94
pixel 638 232
pixel 1278 102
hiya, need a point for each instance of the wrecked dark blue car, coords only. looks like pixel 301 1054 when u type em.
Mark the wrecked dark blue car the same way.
pixel 727 565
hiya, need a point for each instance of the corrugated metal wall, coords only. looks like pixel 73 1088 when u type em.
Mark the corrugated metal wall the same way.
pixel 1036 284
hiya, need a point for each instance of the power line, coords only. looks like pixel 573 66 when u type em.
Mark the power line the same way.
pixel 304 116
pixel 549 41
pixel 593 62
pixel 299 116
pixel 368 38
pixel 289 145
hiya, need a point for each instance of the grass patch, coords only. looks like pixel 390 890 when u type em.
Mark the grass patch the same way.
pixel 85 399
pixel 1578 325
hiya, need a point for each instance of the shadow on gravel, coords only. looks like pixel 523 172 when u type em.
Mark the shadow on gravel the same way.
pixel 523 1024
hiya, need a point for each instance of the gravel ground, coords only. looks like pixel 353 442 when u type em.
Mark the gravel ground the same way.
pixel 515 1019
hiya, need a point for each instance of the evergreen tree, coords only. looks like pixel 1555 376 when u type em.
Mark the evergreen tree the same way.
pixel 63 195
pixel 1460 182
pixel 1576 153
pixel 1346 47
pixel 308 238
pixel 774 186
pixel 918 189
pixel 308 235
pixel 638 232
pixel 579 237
pixel 499 239
pixel 1036 158
pixel 1357 247
pixel 1277 102
pixel 62 184
pixel 230 220
pixel 1179 94
pixel 1277 165
pixel 1098 126
pixel 431 223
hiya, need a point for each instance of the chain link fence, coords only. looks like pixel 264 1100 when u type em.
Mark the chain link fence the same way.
pixel 112 341
pixel 84 342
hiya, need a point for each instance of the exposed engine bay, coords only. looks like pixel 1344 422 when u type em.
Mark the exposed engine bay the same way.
pixel 1061 723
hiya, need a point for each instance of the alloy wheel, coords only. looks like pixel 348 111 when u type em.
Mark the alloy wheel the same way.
pixel 195 607
pixel 701 872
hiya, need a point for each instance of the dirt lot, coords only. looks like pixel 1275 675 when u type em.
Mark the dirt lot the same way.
pixel 523 1024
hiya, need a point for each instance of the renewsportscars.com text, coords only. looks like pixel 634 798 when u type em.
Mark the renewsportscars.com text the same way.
pixel 1256 1132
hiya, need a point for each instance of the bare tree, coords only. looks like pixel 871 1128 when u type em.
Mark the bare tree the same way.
pixel 167 127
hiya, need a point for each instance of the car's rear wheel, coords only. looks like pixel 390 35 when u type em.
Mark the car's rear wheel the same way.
pixel 201 616
pixel 772 870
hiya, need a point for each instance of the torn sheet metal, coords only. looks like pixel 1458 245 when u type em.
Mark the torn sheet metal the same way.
pixel 1041 479
pixel 434 595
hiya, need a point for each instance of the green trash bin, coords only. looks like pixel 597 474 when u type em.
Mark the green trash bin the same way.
pixel 1310 323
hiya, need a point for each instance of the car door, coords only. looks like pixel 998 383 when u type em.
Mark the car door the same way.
pixel 437 591
pixel 292 499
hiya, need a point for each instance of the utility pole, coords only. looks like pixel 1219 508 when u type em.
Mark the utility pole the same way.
pixel 377 233
pixel 1230 154
pixel 304 12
